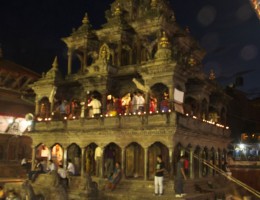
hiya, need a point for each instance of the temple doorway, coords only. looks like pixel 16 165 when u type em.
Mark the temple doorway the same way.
pixel 134 167
pixel 74 154
pixel 57 154
pixel 112 154
pixel 157 149
pixel 90 164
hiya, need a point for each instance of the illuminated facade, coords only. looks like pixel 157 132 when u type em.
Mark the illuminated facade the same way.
pixel 256 5
pixel 16 104
pixel 141 49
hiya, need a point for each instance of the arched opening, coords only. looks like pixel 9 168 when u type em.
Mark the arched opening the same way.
pixel 204 109
pixel 90 164
pixel 44 111
pixel 157 149
pixel 134 166
pixel 177 155
pixel 204 157
pixel 159 97
pixel 57 154
pixel 112 154
pixel 191 106
pixel 197 162
pixel 74 154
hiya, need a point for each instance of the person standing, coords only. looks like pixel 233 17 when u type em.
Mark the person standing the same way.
pixel 158 178
pixel 96 106
pixel 98 159
pixel 70 168
pixel 180 175
pixel 51 166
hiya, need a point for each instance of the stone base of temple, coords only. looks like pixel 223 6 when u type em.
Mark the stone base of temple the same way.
pixel 210 188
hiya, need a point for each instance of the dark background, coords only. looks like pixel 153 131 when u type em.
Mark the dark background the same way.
pixel 31 32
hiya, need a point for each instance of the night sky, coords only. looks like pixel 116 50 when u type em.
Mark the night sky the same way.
pixel 229 30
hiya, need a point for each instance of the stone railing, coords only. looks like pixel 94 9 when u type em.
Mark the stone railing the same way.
pixel 202 127
pixel 144 121
pixel 118 122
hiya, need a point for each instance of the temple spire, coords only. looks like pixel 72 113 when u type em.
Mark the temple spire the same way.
pixel 55 63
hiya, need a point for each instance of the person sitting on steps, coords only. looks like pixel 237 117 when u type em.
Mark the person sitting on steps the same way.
pixel 115 178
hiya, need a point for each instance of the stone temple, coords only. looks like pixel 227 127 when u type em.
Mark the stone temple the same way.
pixel 140 49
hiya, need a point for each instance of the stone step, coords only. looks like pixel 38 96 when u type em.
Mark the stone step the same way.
pixel 144 195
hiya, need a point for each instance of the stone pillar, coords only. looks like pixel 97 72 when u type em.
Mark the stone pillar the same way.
pixel 69 61
pixel 33 157
pixel 123 162
pixel 210 162
pixel 82 171
pixel 119 55
pixel 37 107
pixel 145 163
pixel 104 103
pixel 171 161
pixel 171 97
pixel 147 102
pixel 191 165
pixel 102 163
pixel 65 157
pixel 200 164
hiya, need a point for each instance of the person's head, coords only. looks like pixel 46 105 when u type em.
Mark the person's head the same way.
pixel 182 158
pixel 69 160
pixel 159 158
pixel 118 164
pixel 51 161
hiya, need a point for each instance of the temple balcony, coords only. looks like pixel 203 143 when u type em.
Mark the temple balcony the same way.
pixel 169 121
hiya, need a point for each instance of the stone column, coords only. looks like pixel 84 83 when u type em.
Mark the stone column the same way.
pixel 145 163
pixel 69 61
pixel 209 160
pixel 171 97
pixel 147 102
pixel 37 107
pixel 123 162
pixel 33 157
pixel 82 171
pixel 191 165
pixel 49 153
pixel 171 161
pixel 65 157
pixel 104 103
pixel 102 163
pixel 200 164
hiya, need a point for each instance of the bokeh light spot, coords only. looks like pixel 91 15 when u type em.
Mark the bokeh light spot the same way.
pixel 249 52
pixel 244 12
pixel 206 15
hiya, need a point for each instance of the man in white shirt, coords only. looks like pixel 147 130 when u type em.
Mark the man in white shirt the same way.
pixel 98 156
pixel 71 168
pixel 51 166
pixel 96 107
pixel 140 102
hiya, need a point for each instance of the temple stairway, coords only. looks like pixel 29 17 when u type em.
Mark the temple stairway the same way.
pixel 201 189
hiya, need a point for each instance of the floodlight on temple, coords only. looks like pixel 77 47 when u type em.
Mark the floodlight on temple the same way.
pixel 256 6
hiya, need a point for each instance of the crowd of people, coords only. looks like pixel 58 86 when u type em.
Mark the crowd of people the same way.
pixel 92 107
pixel 40 167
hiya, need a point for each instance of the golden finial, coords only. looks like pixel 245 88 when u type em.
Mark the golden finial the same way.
pixel 192 61
pixel 154 4
pixel 85 19
pixel 164 41
pixel 118 10
pixel 212 75
pixel 55 63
